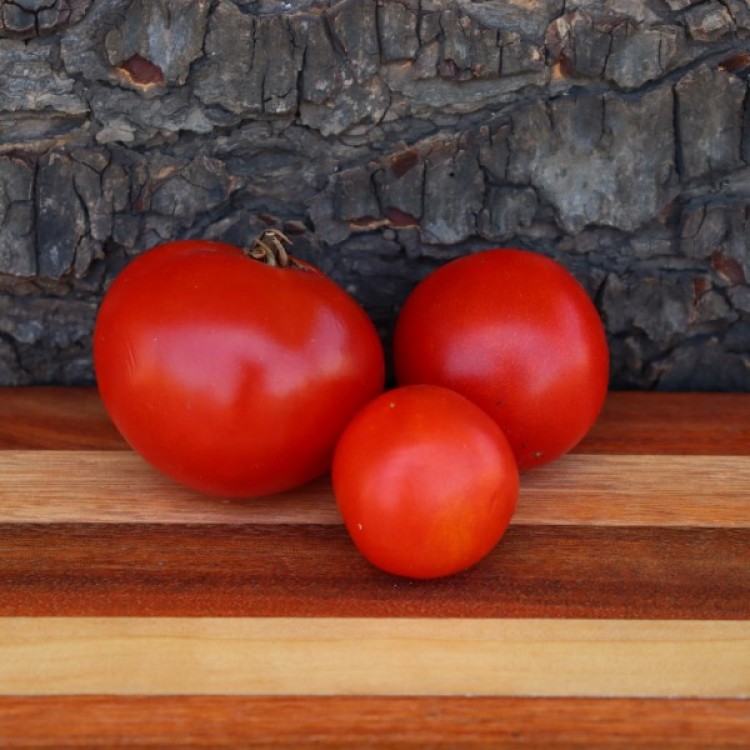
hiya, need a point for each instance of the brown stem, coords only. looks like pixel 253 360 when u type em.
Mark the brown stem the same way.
pixel 269 249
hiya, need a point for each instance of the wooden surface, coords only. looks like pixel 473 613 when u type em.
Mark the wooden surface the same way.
pixel 615 612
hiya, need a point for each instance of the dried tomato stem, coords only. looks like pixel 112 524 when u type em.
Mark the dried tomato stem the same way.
pixel 269 248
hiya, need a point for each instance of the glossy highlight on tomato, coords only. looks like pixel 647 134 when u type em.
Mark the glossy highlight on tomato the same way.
pixel 425 481
pixel 232 375
pixel 516 333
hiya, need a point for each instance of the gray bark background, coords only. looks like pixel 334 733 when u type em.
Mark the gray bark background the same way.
pixel 385 138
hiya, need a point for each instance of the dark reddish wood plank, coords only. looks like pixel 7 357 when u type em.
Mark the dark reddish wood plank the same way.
pixel 159 569
pixel 637 422
pixel 346 722
pixel 53 417
pixel 631 422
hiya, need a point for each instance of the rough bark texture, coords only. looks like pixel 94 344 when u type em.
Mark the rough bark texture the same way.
pixel 385 137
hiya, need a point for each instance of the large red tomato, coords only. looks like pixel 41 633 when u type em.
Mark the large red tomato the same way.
pixel 232 375
pixel 425 481
pixel 516 333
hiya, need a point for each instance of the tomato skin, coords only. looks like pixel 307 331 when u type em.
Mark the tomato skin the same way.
pixel 231 376
pixel 425 481
pixel 516 333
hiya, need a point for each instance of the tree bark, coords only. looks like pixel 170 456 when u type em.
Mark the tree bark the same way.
pixel 385 137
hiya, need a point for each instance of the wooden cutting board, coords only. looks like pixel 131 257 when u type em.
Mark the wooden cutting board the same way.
pixel 615 612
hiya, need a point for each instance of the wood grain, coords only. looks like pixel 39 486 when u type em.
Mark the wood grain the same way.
pixel 303 571
pixel 216 722
pixel 631 422
pixel 594 489
pixel 637 422
pixel 355 656
pixel 625 573
pixel 54 418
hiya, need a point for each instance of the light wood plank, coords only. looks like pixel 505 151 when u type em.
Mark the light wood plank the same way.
pixel 647 490
pixel 330 656
pixel 118 487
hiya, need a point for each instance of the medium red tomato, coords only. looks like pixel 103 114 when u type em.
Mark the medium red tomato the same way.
pixel 516 333
pixel 425 481
pixel 231 375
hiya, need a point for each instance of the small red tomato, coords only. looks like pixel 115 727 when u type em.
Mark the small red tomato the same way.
pixel 517 334
pixel 233 375
pixel 425 481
